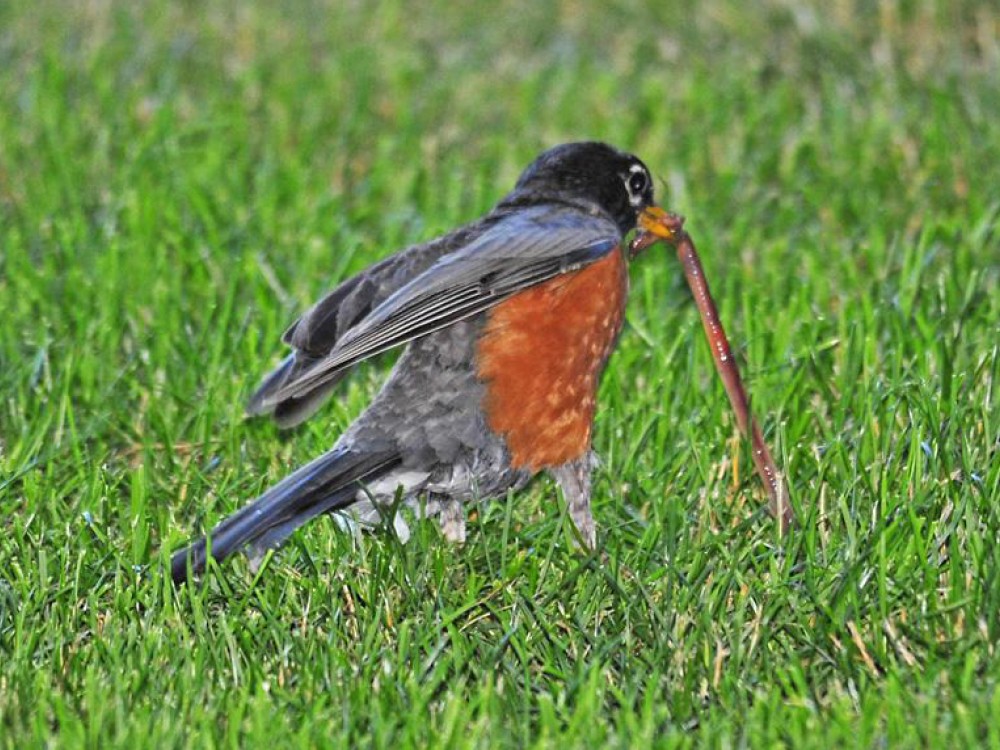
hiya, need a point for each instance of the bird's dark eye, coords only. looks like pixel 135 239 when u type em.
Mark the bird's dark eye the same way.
pixel 637 183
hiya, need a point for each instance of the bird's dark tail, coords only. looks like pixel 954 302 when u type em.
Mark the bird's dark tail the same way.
pixel 330 482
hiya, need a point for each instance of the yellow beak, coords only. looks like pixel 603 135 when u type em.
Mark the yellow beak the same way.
pixel 658 222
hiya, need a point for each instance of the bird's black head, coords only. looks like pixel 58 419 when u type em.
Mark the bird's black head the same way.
pixel 616 181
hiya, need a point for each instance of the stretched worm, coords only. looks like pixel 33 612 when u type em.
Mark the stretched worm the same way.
pixel 656 225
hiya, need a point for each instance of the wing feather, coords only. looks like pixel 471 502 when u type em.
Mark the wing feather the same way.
pixel 526 248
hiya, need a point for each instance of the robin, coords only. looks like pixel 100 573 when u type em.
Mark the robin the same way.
pixel 507 323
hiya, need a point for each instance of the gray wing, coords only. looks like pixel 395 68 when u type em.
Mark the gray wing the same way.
pixel 315 334
pixel 521 250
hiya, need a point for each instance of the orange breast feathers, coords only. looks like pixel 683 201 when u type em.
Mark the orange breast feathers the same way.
pixel 541 355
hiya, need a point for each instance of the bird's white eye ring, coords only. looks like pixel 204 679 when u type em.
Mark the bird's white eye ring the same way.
pixel 637 183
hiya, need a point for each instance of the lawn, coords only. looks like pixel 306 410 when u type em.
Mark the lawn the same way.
pixel 179 180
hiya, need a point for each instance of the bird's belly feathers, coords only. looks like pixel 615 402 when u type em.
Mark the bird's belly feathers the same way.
pixel 541 354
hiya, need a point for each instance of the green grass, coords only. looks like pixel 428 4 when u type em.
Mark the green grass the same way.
pixel 177 182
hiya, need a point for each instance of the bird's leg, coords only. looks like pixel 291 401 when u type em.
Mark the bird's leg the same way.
pixel 452 520
pixel 573 478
